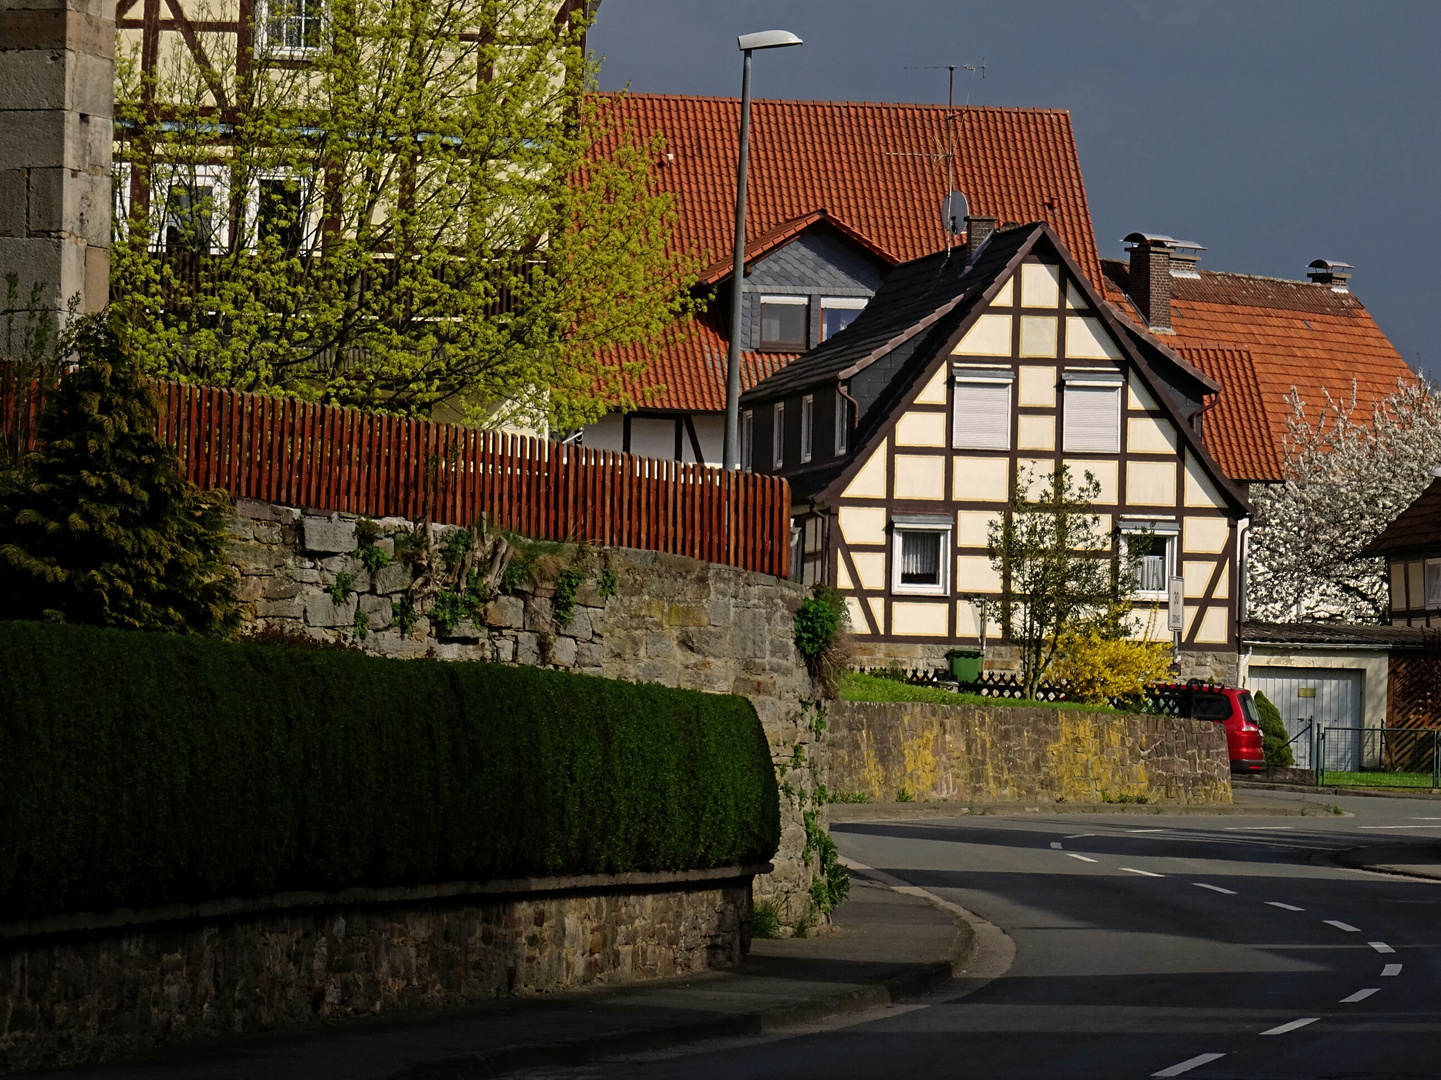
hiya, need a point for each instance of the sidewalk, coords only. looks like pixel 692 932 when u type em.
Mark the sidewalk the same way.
pixel 1416 859
pixel 885 945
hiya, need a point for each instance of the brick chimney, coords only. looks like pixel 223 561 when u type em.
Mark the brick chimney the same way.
pixel 978 231
pixel 1150 278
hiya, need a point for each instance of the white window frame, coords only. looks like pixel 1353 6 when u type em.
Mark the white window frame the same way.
pixel 840 303
pixel 748 439
pixel 778 435
pixel 1431 575
pixel 217 177
pixel 808 427
pixel 310 223
pixel 1165 529
pixel 280 51
pixel 901 524
pixel 1108 379
pixel 843 427
pixel 964 435
pixel 786 300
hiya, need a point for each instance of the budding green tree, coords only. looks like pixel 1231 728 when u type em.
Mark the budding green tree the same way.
pixel 399 206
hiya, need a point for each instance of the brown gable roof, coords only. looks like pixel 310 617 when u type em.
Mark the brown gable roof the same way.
pixel 1416 530
pixel 1289 333
pixel 878 168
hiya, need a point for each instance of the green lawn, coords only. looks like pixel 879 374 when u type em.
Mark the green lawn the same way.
pixel 858 687
pixel 1378 779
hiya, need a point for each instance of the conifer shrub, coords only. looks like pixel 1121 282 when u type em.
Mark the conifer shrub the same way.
pixel 99 526
pixel 1275 740
pixel 144 769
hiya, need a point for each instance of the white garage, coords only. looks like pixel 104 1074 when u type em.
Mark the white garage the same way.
pixel 1307 697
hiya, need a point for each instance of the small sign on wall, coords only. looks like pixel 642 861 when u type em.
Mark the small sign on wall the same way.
pixel 1176 604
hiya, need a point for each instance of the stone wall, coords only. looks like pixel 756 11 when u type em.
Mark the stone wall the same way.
pixel 1209 665
pixel 94 994
pixel 965 753
pixel 664 619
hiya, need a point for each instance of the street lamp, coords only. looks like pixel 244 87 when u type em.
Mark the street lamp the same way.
pixel 766 39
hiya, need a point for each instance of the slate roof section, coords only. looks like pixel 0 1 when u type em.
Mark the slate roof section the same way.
pixel 1416 530
pixel 1344 634
pixel 760 246
pixel 1295 333
pixel 878 169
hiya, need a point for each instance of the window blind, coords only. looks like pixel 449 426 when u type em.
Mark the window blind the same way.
pixel 982 415
pixel 1092 418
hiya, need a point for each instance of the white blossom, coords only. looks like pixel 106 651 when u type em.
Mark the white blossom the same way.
pixel 1346 480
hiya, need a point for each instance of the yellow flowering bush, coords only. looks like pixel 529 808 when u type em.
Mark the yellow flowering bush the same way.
pixel 1097 668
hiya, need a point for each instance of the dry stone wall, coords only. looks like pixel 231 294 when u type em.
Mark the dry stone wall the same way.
pixel 80 998
pixel 965 753
pixel 662 618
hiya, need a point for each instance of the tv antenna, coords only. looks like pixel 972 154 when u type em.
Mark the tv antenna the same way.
pixel 954 209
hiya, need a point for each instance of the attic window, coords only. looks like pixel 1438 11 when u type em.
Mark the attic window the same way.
pixel 1091 417
pixel 839 312
pixel 785 323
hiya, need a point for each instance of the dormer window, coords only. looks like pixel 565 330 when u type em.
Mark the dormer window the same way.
pixel 785 323
pixel 838 312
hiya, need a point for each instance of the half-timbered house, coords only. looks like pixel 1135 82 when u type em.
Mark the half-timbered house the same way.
pixel 903 437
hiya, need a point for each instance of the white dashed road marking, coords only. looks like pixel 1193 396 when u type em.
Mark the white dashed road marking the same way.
pixel 1259 828
pixel 1214 888
pixel 1389 970
pixel 1381 947
pixel 1292 1026
pixel 1143 873
pixel 1083 858
pixel 1189 1064
pixel 1339 925
pixel 1360 995
pixel 1284 907
pixel 1056 844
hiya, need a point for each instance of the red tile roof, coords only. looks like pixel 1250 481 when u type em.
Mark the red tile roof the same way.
pixel 1260 337
pixel 878 170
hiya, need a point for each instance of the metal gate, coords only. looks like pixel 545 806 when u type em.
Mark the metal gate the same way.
pixel 1309 698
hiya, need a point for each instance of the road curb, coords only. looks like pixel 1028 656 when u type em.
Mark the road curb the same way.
pixel 849 813
pixel 1354 859
pixel 1309 789
pixel 921 979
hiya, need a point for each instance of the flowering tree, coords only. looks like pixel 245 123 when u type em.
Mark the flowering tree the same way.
pixel 1346 480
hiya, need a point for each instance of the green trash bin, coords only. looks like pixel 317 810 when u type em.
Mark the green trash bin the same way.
pixel 965 664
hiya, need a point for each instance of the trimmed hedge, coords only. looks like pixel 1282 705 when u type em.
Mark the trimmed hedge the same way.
pixel 140 769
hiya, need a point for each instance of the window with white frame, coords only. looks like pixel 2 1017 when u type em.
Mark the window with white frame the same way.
pixel 808 416
pixel 981 408
pixel 1151 547
pixel 785 323
pixel 843 423
pixel 196 209
pixel 290 27
pixel 838 312
pixel 1433 583
pixel 921 554
pixel 778 435
pixel 748 439
pixel 282 205
pixel 1092 410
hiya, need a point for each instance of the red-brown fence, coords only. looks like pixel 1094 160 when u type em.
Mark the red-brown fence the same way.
pixel 297 453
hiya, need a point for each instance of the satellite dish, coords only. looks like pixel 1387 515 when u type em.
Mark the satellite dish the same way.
pixel 954 212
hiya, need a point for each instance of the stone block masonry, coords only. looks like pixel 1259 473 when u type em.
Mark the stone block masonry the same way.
pixel 964 753
pixel 90 991
pixel 668 619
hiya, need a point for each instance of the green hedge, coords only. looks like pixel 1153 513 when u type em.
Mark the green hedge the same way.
pixel 140 769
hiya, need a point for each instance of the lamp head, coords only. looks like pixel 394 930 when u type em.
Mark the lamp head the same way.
pixel 767 39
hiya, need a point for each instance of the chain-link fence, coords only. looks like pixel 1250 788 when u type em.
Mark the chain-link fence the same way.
pixel 1378 757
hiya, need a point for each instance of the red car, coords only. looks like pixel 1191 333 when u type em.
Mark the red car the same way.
pixel 1232 708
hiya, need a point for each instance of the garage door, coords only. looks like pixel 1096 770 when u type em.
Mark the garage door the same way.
pixel 1328 696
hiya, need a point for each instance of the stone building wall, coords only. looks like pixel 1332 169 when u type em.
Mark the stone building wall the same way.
pixel 966 753
pixel 666 619
pixel 85 996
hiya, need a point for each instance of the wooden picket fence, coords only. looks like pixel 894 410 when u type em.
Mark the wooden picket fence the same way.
pixel 326 458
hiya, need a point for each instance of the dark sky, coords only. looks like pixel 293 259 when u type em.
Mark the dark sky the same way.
pixel 1271 131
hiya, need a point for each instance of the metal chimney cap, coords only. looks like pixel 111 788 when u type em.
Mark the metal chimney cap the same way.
pixel 767 39
pixel 1328 264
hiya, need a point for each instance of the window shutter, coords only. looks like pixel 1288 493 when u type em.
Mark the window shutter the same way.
pixel 982 416
pixel 1093 418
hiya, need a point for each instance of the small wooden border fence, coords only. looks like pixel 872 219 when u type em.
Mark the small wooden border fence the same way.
pixel 328 458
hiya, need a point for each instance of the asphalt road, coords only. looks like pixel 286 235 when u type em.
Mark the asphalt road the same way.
pixel 1208 947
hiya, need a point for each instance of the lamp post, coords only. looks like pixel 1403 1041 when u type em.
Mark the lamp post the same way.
pixel 766 39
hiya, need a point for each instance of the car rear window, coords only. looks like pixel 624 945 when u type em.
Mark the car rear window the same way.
pixel 1248 709
pixel 1206 706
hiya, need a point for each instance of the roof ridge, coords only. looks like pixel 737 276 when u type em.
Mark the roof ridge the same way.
pixel 839 103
